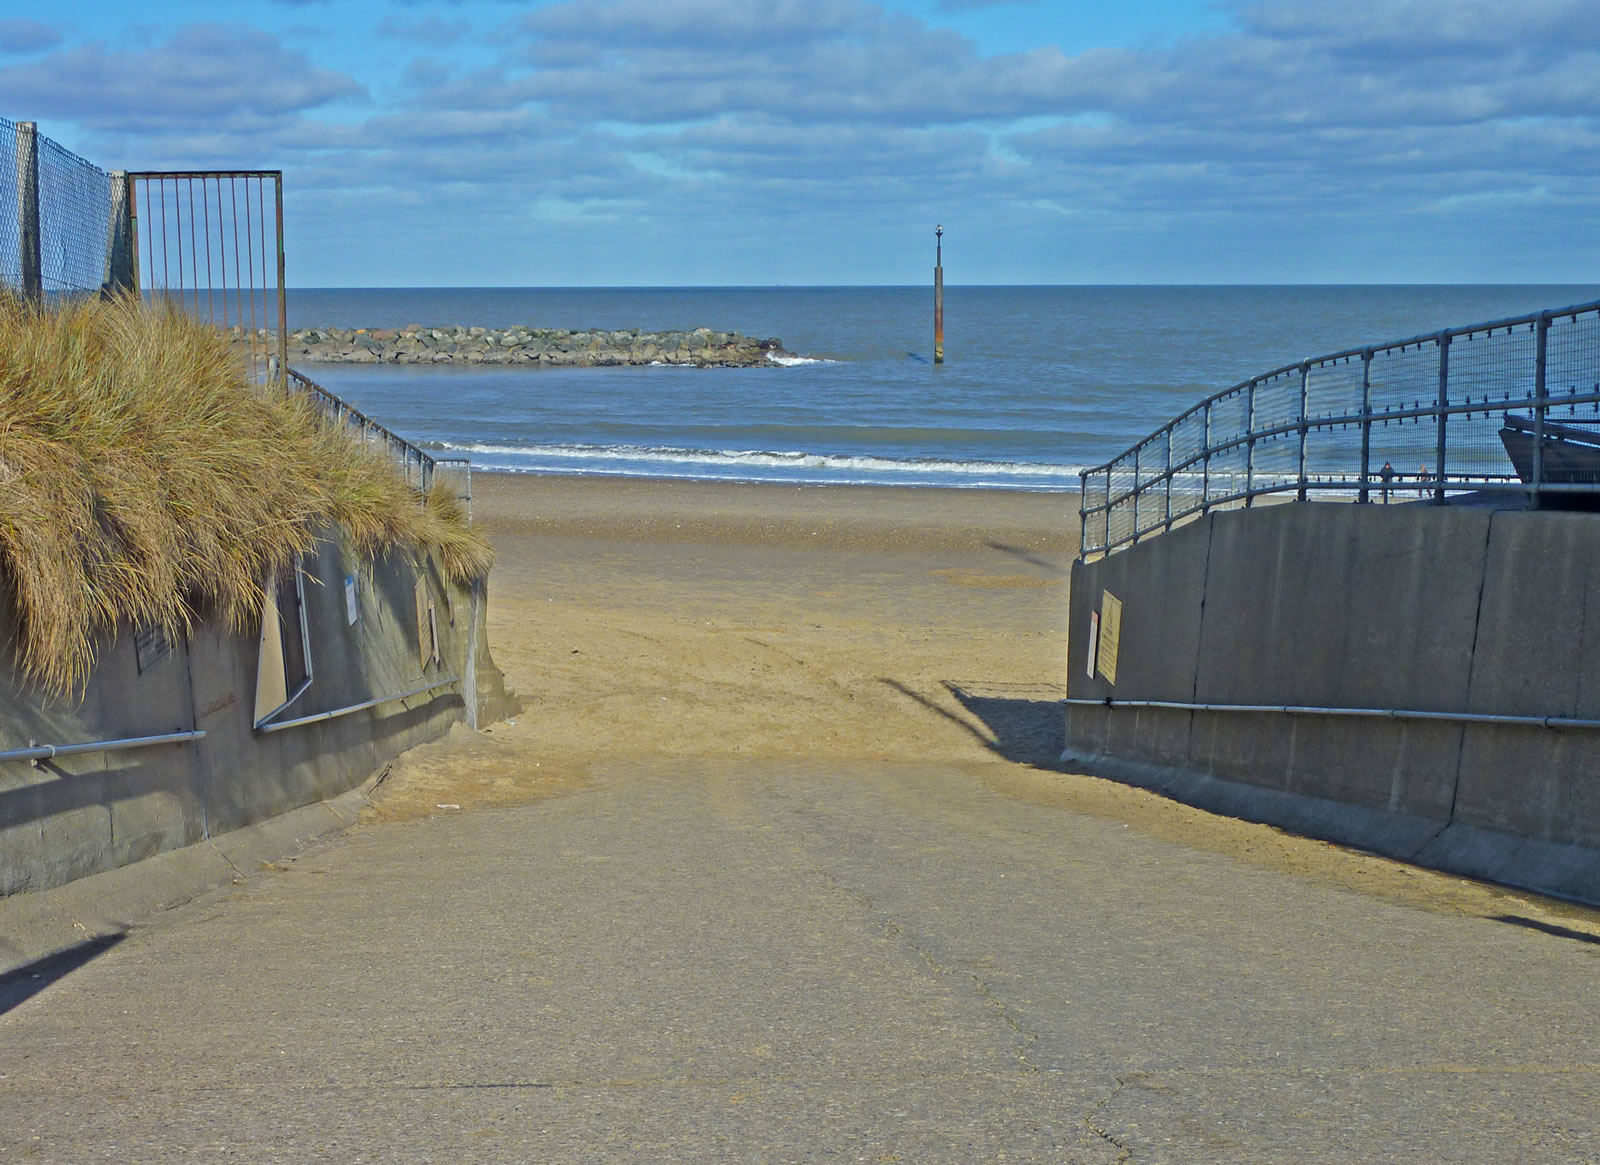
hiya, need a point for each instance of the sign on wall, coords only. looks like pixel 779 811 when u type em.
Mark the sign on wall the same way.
pixel 1110 635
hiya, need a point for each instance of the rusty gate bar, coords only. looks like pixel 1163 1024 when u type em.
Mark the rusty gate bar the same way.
pixel 223 213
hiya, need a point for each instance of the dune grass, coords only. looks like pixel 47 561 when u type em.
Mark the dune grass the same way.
pixel 145 479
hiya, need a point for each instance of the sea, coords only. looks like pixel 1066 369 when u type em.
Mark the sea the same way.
pixel 1038 383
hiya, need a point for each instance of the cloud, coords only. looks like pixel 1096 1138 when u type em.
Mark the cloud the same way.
pixel 687 116
pixel 26 36
pixel 204 77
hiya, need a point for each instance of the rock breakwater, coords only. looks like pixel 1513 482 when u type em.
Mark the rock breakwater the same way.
pixel 416 344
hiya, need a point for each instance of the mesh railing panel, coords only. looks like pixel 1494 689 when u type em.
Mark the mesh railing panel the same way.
pixel 1188 442
pixel 1496 368
pixel 1121 526
pixel 1572 360
pixel 1333 391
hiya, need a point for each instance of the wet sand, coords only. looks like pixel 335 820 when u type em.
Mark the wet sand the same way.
pixel 726 623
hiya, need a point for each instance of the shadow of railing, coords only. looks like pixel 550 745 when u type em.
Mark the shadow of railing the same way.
pixel 1025 722
pixel 22 984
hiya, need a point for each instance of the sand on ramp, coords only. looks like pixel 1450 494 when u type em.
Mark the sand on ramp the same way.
pixel 724 623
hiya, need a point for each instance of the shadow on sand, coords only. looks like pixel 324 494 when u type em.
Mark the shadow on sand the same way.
pixel 1025 721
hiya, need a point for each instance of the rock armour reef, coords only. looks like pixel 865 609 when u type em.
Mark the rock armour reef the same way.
pixel 415 344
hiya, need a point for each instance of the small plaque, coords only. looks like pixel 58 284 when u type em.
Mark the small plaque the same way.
pixel 1094 642
pixel 150 647
pixel 1110 635
pixel 352 612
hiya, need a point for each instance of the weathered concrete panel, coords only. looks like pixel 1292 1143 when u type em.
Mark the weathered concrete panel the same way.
pixel 1166 581
pixel 1322 604
pixel 1540 626
pixel 79 815
pixel 1400 607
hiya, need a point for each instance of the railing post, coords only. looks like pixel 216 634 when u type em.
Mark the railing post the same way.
pixel 283 302
pixel 1083 514
pixel 1136 450
pixel 1305 379
pixel 1250 446
pixel 1205 464
pixel 1444 400
pixel 119 237
pixel 28 211
pixel 133 238
pixel 1541 392
pixel 1105 547
pixel 1366 424
pixel 1168 525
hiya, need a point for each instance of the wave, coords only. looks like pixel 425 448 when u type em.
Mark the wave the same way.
pixel 795 361
pixel 764 465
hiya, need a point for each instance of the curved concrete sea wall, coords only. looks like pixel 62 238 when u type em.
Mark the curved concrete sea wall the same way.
pixel 1410 608
pixel 76 815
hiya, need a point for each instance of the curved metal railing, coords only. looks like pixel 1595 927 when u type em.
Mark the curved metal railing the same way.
pixel 421 469
pixel 1422 418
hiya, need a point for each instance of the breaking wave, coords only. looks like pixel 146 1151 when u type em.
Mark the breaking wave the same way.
pixel 795 466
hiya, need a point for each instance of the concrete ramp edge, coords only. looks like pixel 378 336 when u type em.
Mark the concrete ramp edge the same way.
pixel 38 925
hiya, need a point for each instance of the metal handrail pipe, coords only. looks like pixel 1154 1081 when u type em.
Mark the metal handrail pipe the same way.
pixel 1374 484
pixel 50 751
pixel 361 707
pixel 1350 353
pixel 1332 421
pixel 1371 713
pixel 1456 483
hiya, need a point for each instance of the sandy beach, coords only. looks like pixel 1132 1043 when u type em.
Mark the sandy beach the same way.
pixel 684 619
pixel 722 623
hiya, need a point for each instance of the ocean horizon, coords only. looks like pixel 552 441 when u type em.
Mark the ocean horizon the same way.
pixel 1039 381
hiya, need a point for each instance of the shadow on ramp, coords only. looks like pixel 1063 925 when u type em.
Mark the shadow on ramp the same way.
pixel 22 984
pixel 1549 928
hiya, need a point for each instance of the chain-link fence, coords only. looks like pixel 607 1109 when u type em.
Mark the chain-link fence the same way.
pixel 1507 407
pixel 55 216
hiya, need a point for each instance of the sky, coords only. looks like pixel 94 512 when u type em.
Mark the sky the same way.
pixel 819 142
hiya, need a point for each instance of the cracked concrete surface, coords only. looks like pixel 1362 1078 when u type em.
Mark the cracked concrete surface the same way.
pixel 802 962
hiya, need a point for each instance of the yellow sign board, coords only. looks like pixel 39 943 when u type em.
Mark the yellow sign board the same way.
pixel 1110 635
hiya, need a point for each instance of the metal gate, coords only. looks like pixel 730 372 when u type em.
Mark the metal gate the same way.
pixel 211 242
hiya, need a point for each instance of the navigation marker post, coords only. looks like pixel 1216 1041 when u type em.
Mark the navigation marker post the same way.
pixel 938 295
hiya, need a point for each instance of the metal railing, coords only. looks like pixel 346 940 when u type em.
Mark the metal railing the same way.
pixel 1511 406
pixel 318 717
pixel 38 752
pixel 420 468
pixel 211 242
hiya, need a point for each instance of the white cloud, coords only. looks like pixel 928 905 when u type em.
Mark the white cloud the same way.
pixel 694 115
pixel 205 78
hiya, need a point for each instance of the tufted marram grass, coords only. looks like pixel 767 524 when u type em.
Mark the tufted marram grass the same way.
pixel 145 479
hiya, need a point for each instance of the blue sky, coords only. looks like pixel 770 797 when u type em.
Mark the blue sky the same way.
pixel 659 142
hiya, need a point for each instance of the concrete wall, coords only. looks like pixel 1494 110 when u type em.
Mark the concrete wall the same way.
pixel 1411 607
pixel 79 815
